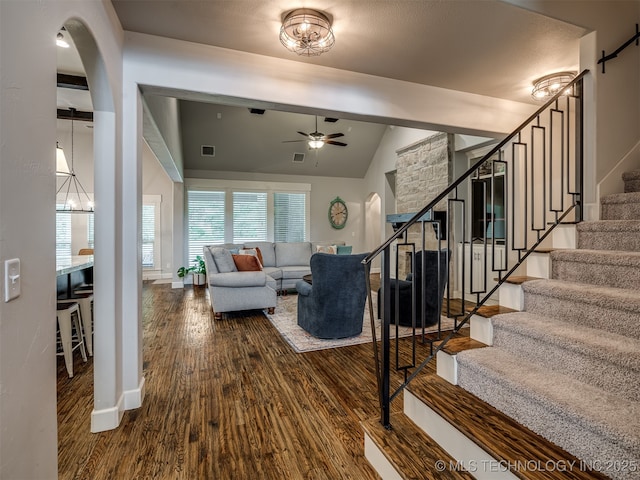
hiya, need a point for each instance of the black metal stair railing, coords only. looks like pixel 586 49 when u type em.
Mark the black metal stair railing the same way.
pixel 486 223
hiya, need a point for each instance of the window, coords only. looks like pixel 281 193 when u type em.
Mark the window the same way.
pixel 205 217
pixel 90 231
pixel 148 235
pixel 63 234
pixel 289 217
pixel 238 211
pixel 249 216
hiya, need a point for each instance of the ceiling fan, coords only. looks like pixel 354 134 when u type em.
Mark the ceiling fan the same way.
pixel 317 139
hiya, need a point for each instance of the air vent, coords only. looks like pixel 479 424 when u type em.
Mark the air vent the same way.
pixel 298 157
pixel 257 111
pixel 330 120
pixel 208 151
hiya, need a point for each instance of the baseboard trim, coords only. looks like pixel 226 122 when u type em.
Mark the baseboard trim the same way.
pixel 107 418
pixel 134 398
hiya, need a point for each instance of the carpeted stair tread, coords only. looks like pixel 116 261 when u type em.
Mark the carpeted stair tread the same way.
pixel 620 269
pixel 620 206
pixel 620 198
pixel 556 406
pixel 613 309
pixel 598 357
pixel 598 257
pixel 631 181
pixel 609 235
pixel 610 226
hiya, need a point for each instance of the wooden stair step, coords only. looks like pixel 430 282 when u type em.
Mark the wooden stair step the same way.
pixel 518 279
pixel 496 433
pixel 488 311
pixel 412 452
pixel 459 344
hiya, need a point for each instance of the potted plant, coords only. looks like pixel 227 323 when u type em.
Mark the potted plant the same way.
pixel 197 269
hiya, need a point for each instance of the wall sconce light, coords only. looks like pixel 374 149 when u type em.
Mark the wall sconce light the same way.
pixel 547 86
pixel 307 32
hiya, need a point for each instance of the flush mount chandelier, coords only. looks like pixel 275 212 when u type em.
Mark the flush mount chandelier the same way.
pixel 307 32
pixel 549 85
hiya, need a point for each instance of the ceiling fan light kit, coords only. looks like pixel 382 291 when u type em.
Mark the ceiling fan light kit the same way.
pixel 307 32
pixel 316 139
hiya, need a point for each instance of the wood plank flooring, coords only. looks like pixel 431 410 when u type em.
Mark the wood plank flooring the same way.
pixel 224 400
pixel 228 399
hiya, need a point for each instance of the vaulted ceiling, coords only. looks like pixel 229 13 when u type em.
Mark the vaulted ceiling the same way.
pixel 487 47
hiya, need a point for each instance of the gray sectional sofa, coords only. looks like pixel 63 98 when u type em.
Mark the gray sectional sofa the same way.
pixel 284 263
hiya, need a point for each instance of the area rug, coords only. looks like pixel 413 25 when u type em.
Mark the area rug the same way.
pixel 285 320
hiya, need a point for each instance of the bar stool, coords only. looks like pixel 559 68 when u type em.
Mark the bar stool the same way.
pixel 68 317
pixel 85 301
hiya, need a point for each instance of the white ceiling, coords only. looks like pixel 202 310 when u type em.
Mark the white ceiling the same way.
pixel 442 43
pixel 434 42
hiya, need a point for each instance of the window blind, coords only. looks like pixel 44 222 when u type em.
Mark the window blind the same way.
pixel 289 217
pixel 249 216
pixel 63 234
pixel 90 235
pixel 205 212
pixel 148 235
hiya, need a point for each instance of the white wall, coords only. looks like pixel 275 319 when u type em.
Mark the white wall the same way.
pixel 156 182
pixel 612 101
pixel 28 437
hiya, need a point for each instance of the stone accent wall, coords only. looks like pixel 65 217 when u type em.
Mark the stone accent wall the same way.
pixel 423 170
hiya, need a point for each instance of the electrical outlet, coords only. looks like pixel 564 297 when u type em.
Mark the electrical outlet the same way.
pixel 11 279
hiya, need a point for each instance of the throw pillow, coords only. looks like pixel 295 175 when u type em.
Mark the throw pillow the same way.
pixel 247 263
pixel 344 249
pixel 224 260
pixel 331 249
pixel 252 251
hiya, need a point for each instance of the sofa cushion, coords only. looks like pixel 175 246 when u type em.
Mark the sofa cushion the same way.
pixel 238 279
pixel 223 259
pixel 298 271
pixel 272 283
pixel 267 251
pixel 292 253
pixel 247 263
pixel 273 272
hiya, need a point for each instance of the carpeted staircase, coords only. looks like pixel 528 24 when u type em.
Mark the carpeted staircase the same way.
pixel 568 366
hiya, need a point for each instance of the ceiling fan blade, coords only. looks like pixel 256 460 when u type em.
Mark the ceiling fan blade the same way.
pixel 293 141
pixel 333 142
pixel 302 133
pixel 334 135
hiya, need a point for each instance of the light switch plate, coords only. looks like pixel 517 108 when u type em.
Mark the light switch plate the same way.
pixel 11 279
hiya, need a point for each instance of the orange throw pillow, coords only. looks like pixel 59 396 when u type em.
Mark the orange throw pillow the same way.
pixel 247 263
pixel 259 254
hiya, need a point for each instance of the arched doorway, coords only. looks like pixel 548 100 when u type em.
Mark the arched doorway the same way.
pixel 107 336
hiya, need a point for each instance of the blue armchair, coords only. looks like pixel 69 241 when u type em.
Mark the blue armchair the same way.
pixel 333 307
pixel 433 280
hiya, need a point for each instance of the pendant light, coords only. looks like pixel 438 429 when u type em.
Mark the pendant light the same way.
pixel 76 199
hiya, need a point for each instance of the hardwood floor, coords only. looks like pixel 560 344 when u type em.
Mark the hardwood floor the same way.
pixel 224 400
